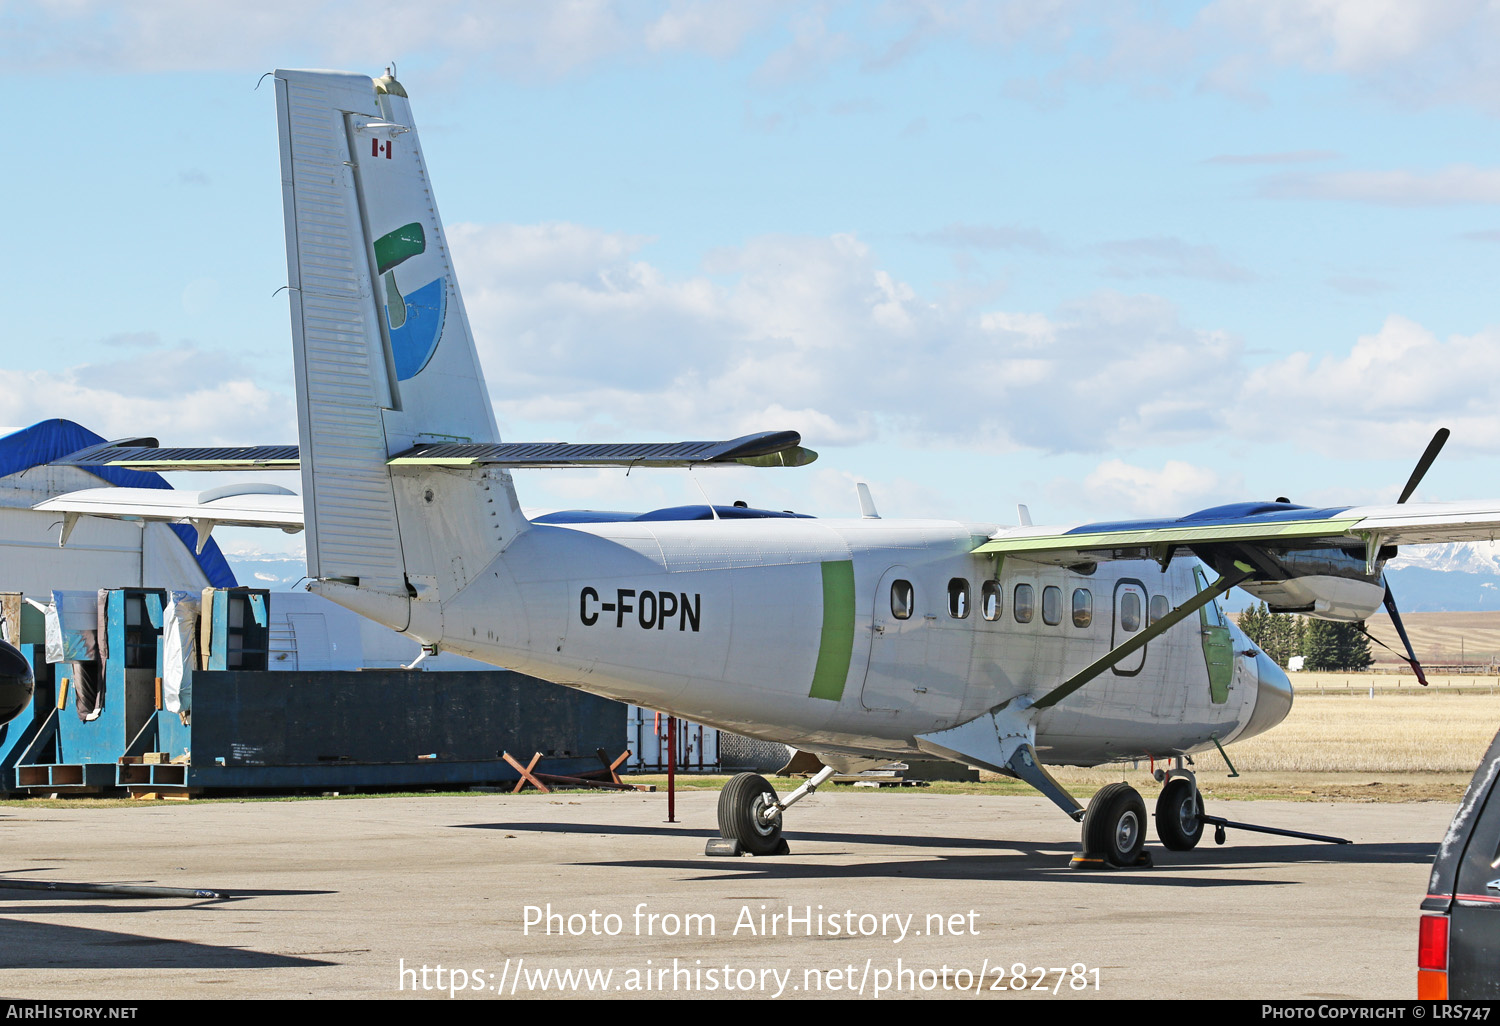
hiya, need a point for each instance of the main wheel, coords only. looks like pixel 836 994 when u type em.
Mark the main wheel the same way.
pixel 1115 824
pixel 1179 815
pixel 742 805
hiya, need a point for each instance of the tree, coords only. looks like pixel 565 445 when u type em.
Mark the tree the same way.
pixel 1279 635
pixel 1354 647
pixel 1331 645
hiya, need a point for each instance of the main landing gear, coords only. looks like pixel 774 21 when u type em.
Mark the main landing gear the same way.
pixel 1114 829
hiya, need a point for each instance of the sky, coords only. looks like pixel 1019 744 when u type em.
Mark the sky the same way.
pixel 1106 259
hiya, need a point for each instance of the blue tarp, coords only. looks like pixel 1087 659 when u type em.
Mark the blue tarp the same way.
pixel 52 439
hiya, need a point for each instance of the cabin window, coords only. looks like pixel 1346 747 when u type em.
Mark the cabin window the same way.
pixel 989 600
pixel 1160 607
pixel 1051 605
pixel 1130 611
pixel 902 598
pixel 1083 607
pixel 1023 603
pixel 958 598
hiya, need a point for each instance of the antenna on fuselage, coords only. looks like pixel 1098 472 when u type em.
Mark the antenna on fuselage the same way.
pixel 1023 514
pixel 866 503
pixel 712 512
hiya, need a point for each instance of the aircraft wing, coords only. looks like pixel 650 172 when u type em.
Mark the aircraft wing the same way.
pixel 1274 525
pixel 763 449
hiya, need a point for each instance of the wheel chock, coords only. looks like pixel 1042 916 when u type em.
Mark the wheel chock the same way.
pixel 724 847
pixel 1096 860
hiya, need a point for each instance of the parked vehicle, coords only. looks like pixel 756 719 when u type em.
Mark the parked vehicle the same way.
pixel 1458 947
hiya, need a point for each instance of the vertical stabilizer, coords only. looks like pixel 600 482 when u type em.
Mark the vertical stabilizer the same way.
pixel 383 352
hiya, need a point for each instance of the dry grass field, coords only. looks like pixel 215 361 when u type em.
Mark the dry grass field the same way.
pixel 1336 726
pixel 1439 638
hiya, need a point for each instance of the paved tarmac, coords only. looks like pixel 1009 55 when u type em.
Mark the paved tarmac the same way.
pixel 890 893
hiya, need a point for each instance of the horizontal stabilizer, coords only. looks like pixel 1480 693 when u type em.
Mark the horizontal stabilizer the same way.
pixel 144 454
pixel 765 449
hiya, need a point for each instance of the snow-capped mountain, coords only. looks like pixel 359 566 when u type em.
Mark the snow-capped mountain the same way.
pixel 1460 557
pixel 1459 576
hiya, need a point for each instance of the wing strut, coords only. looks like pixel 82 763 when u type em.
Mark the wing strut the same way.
pixel 1151 633
pixel 1411 655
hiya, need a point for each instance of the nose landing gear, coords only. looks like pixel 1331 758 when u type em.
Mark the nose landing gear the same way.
pixel 1179 814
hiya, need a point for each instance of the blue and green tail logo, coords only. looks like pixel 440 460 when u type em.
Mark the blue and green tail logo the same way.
pixel 415 318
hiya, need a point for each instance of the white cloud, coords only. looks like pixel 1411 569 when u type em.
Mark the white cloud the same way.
pixel 1460 184
pixel 1348 35
pixel 1144 491
pixel 1433 51
pixel 1387 395
pixel 813 334
pixel 1414 53
pixel 183 396
pixel 514 37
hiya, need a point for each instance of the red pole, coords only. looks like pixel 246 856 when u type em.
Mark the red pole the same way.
pixel 671 769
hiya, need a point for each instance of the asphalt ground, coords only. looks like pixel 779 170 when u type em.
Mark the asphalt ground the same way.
pixel 883 895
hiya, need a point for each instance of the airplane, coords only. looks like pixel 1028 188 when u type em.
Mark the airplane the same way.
pixel 861 641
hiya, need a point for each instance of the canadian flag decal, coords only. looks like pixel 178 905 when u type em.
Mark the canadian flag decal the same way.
pixel 378 148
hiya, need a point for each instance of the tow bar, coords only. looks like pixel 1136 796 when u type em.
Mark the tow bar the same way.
pixel 1220 823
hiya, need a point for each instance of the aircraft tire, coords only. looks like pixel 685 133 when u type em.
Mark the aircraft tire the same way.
pixel 1179 815
pixel 740 805
pixel 1115 824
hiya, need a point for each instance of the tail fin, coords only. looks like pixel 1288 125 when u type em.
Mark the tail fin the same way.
pixel 384 356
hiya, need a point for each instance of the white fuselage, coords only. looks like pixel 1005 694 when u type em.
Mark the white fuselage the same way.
pixel 746 624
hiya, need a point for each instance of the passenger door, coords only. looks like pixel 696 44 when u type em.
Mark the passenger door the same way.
pixel 1129 620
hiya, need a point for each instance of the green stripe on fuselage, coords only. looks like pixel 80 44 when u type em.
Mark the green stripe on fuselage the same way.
pixel 837 644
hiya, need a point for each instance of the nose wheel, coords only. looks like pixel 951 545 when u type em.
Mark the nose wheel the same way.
pixel 1179 816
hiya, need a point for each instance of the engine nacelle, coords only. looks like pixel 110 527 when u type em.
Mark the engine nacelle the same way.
pixel 16 682
pixel 1326 583
pixel 1326 598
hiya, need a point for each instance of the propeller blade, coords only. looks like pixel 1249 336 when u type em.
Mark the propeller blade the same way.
pixel 1411 655
pixel 1433 448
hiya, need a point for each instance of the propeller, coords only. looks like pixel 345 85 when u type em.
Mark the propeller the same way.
pixel 1423 465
